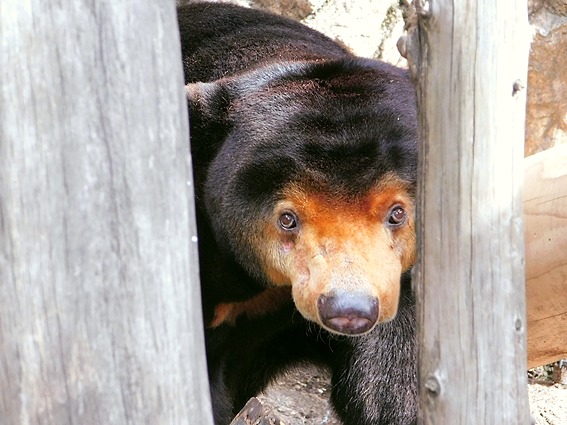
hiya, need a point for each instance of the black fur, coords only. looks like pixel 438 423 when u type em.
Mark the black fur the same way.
pixel 284 103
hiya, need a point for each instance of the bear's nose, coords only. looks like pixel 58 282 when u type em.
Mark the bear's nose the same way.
pixel 350 314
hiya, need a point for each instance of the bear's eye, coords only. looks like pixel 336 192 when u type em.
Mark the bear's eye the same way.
pixel 287 221
pixel 397 216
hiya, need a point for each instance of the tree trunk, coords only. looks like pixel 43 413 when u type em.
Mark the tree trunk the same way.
pixel 470 62
pixel 100 320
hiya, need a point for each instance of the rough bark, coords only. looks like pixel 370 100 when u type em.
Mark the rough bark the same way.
pixel 100 320
pixel 470 63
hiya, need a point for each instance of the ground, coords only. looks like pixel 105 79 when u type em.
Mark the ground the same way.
pixel 548 403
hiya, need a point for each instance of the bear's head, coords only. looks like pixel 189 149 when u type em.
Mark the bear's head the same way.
pixel 312 182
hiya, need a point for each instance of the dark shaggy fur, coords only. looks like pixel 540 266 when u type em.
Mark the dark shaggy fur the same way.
pixel 275 106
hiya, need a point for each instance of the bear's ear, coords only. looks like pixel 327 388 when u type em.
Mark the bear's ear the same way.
pixel 208 105
pixel 207 100
pixel 210 101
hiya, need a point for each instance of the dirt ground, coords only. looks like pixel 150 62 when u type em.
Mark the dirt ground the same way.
pixel 302 397
pixel 548 403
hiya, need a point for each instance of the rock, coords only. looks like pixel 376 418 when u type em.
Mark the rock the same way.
pixel 256 413
pixel 295 9
pixel 546 114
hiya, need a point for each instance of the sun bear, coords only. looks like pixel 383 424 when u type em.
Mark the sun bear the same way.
pixel 305 162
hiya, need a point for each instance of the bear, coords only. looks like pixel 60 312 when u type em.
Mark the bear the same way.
pixel 304 162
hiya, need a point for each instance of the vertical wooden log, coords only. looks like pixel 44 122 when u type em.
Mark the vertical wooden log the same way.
pixel 100 321
pixel 470 62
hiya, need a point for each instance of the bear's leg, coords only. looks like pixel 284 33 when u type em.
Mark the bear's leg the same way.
pixel 375 376
pixel 221 398
pixel 243 359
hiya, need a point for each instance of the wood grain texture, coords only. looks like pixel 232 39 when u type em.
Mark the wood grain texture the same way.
pixel 545 216
pixel 100 319
pixel 467 56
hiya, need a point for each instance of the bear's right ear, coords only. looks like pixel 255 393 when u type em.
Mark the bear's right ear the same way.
pixel 207 101
pixel 200 93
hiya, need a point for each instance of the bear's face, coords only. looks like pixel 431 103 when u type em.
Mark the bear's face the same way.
pixel 317 168
pixel 343 257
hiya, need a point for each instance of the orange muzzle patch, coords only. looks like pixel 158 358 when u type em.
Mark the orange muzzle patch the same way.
pixel 343 257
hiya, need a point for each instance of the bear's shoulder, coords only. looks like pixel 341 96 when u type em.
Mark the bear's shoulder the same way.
pixel 218 40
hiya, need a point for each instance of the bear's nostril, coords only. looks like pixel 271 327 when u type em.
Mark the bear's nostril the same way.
pixel 350 314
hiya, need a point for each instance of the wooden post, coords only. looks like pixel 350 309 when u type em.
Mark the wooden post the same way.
pixel 100 319
pixel 470 62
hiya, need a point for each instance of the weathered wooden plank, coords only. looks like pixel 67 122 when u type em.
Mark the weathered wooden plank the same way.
pixel 545 216
pixel 547 340
pixel 470 59
pixel 100 313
